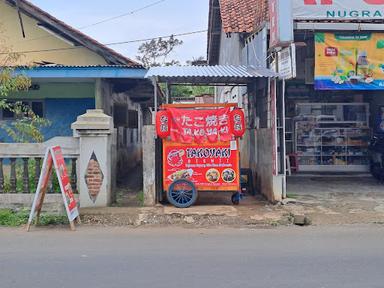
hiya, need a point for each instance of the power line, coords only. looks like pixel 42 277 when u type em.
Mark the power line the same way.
pixel 108 44
pixel 106 20
pixel 154 38
pixel 122 15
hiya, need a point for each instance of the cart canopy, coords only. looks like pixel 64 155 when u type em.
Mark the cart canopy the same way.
pixel 219 74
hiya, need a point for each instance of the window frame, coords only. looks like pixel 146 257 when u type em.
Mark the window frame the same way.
pixel 29 102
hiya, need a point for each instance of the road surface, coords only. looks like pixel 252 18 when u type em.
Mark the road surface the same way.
pixel 336 256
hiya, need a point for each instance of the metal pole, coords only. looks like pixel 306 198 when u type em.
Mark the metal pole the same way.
pixel 167 93
pixel 154 82
pixel 284 148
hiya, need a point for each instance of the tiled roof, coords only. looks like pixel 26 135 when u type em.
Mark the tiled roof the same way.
pixel 243 16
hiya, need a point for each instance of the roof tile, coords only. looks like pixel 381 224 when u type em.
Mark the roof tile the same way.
pixel 243 16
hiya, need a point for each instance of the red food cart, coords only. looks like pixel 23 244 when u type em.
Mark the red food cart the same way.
pixel 200 150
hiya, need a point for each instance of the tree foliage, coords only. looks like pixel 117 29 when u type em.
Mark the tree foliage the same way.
pixel 190 91
pixel 156 52
pixel 26 125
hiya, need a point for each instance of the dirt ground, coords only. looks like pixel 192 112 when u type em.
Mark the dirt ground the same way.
pixel 337 200
pixel 324 200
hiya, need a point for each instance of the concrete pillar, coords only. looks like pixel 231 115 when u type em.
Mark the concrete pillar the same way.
pixel 149 165
pixel 95 130
pixel 99 98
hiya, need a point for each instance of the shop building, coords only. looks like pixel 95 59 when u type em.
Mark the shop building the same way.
pixel 322 115
pixel 332 105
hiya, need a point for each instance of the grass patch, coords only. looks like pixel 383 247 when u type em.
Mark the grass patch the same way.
pixel 292 196
pixel 13 218
pixel 140 198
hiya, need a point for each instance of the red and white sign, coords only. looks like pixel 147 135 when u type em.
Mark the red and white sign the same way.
pixel 273 23
pixel 163 123
pixel 65 184
pixel 338 9
pixel 199 126
pixel 54 158
pixel 209 166
pixel 331 52
pixel 280 23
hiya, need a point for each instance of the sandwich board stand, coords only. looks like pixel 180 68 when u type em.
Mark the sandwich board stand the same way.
pixel 54 159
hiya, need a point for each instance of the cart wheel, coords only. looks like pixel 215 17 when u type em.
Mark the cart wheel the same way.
pixel 182 193
pixel 236 198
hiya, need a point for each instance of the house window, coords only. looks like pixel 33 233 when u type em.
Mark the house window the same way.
pixel 37 107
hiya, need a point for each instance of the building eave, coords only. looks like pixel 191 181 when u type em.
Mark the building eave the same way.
pixel 111 57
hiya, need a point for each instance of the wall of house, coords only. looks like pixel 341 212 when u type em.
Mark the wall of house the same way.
pixel 230 54
pixel 62 103
pixel 62 113
pixel 39 39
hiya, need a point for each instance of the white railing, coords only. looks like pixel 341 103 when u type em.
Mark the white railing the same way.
pixel 20 164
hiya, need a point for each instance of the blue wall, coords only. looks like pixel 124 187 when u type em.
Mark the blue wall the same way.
pixel 61 113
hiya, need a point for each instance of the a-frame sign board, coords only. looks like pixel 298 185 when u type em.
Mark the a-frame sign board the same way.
pixel 54 158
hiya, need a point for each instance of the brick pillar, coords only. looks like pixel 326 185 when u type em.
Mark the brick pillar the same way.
pixel 95 130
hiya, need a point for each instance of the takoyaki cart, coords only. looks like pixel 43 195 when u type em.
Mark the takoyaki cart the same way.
pixel 200 150
pixel 200 154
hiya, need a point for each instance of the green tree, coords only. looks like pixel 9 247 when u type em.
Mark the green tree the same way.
pixel 26 125
pixel 156 52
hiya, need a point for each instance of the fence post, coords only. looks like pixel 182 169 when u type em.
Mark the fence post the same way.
pixel 12 177
pixel 95 130
pixel 25 176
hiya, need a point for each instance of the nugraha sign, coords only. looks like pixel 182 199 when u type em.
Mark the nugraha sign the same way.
pixel 338 9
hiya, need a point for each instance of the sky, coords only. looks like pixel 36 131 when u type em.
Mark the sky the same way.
pixel 165 18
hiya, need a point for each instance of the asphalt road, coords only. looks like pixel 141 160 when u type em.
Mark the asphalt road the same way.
pixel 120 257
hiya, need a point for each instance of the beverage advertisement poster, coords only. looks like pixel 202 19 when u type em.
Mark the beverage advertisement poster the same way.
pixel 211 166
pixel 349 61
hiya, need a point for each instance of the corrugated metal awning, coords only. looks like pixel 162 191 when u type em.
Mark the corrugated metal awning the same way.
pixel 219 74
pixel 85 72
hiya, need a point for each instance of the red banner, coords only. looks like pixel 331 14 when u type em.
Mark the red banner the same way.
pixel 200 126
pixel 208 166
pixel 65 184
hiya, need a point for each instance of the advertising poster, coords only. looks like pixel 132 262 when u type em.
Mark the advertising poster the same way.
pixel 349 61
pixel 213 166
pixel 54 158
pixel 65 184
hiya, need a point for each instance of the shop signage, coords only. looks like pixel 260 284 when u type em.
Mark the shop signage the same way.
pixel 209 165
pixel 280 23
pixel 200 126
pixel 286 62
pixel 54 158
pixel 338 9
pixel 346 61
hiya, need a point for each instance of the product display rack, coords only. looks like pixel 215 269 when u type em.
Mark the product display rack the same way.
pixel 336 145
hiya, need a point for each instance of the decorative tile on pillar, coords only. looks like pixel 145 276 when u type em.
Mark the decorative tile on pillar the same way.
pixel 94 177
